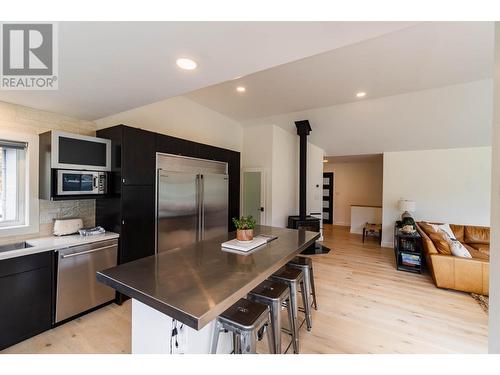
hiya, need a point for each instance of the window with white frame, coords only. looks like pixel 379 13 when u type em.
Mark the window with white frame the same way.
pixel 12 183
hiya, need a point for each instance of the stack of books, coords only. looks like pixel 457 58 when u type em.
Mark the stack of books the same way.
pixel 410 260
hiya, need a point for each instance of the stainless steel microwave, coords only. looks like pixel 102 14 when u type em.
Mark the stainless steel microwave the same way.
pixel 71 182
pixel 79 152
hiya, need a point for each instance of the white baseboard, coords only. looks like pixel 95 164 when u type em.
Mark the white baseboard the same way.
pixel 387 244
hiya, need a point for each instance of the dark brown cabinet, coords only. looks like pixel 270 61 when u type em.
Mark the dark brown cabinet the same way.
pixel 138 157
pixel 26 295
pixel 138 222
pixel 130 209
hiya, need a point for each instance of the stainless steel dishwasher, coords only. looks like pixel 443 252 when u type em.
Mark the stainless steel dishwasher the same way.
pixel 77 288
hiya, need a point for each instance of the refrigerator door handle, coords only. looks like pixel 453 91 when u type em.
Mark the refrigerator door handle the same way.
pixel 202 206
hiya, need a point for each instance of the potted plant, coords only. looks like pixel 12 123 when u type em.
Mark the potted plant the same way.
pixel 244 227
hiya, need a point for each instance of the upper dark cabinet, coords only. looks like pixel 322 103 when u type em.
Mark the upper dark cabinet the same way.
pixel 176 146
pixel 138 157
pixel 133 155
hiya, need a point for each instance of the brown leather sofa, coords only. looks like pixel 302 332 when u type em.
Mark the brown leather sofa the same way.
pixel 452 272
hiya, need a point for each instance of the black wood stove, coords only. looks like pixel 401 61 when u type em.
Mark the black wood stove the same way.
pixel 303 221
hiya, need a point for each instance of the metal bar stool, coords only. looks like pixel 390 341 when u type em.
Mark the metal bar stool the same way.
pixel 292 277
pixel 244 319
pixel 273 294
pixel 306 265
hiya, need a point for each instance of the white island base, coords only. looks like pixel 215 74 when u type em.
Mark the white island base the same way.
pixel 152 334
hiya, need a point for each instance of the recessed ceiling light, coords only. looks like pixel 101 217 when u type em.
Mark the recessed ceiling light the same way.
pixel 361 94
pixel 241 89
pixel 186 64
pixel 325 160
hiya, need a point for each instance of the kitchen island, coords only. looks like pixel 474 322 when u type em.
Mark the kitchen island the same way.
pixel 184 290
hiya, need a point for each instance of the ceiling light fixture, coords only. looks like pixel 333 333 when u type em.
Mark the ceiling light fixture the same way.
pixel 325 160
pixel 241 89
pixel 361 94
pixel 186 64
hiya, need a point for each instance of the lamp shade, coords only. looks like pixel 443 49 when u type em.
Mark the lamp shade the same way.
pixel 407 205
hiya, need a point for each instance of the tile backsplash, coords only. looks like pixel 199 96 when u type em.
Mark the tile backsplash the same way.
pixel 52 210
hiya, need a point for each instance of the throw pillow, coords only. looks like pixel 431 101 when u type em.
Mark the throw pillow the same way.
pixel 458 250
pixel 445 228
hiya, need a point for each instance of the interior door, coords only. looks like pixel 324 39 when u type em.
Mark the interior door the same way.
pixel 215 192
pixel 178 218
pixel 253 195
pixel 328 197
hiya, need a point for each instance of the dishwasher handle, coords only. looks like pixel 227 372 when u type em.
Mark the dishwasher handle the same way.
pixel 87 251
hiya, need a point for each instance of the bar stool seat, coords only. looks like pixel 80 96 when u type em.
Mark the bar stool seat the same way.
pixel 287 274
pixel 306 265
pixel 274 294
pixel 244 319
pixel 270 289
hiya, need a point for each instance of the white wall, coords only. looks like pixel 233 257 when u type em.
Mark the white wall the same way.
pixel 183 118
pixel 285 199
pixel 277 152
pixel 258 153
pixel 355 183
pixel 494 329
pixel 452 186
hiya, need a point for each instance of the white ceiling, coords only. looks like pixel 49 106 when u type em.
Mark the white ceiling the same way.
pixel 110 67
pixel 426 55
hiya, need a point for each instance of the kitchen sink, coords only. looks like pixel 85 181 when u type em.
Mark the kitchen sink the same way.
pixel 14 246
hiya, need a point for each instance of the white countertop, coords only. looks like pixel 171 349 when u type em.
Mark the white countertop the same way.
pixel 51 243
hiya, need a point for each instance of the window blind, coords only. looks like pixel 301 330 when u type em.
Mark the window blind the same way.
pixel 13 144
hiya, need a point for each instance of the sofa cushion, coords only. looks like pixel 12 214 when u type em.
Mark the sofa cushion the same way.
pixel 439 238
pixel 459 231
pixel 476 254
pixel 481 247
pixel 480 235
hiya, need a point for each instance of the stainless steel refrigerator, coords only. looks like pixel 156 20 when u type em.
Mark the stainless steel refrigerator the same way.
pixel 192 201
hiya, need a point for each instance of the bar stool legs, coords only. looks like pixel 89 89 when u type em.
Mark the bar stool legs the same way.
pixel 294 318
pixel 305 264
pixel 273 294
pixel 313 288
pixel 292 277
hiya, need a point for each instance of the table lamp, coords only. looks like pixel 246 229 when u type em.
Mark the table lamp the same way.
pixel 407 206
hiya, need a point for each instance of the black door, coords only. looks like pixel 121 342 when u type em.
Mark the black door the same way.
pixel 137 237
pixel 26 297
pixel 328 197
pixel 138 157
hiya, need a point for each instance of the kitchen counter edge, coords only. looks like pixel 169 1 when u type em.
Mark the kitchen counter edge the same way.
pixel 52 243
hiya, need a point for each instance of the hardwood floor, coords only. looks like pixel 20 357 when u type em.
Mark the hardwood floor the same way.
pixel 365 306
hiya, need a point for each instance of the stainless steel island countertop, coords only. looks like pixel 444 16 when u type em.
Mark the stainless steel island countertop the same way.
pixel 195 284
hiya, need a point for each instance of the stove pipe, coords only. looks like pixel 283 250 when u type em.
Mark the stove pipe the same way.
pixel 303 130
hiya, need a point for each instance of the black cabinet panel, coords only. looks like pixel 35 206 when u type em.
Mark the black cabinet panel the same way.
pixel 137 235
pixel 176 146
pixel 138 157
pixel 26 297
